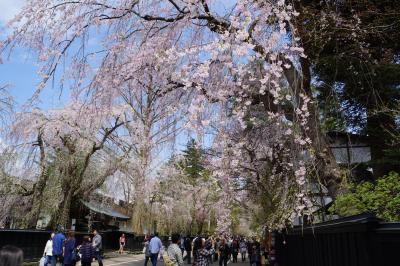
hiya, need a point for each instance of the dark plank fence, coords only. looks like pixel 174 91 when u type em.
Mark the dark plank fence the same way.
pixel 360 240
pixel 32 242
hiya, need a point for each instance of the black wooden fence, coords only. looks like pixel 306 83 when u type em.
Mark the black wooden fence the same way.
pixel 360 240
pixel 32 242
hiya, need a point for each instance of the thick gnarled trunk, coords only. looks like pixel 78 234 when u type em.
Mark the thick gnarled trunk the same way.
pixel 33 216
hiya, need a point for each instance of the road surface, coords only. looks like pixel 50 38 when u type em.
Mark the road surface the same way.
pixel 138 260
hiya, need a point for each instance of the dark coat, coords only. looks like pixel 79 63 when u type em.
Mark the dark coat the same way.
pixel 86 251
pixel 188 244
pixel 224 251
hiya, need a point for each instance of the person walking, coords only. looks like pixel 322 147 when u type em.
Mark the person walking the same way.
pixel 188 248
pixel 255 257
pixel 58 247
pixel 210 245
pixel 224 252
pixel 216 248
pixel 97 246
pixel 174 252
pixel 11 256
pixel 155 245
pixel 121 244
pixel 235 250
pixel 272 257
pixel 86 251
pixel 243 249
pixel 48 250
pixel 70 256
pixel 201 252
pixel 146 250
pixel 182 245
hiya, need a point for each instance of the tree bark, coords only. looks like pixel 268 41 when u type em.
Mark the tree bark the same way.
pixel 32 217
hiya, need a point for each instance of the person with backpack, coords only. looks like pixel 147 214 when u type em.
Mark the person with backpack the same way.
pixel 174 252
pixel 86 251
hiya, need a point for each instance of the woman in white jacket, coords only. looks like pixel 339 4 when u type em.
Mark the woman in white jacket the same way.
pixel 48 250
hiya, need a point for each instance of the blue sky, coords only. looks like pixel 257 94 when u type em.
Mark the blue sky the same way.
pixel 19 71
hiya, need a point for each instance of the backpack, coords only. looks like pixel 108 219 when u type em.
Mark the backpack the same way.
pixel 167 260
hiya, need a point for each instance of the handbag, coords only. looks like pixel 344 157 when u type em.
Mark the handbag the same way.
pixel 42 260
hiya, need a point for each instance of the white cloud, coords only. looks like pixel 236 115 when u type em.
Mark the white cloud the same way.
pixel 9 8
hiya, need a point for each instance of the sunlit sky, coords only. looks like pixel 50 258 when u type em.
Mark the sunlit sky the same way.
pixel 19 70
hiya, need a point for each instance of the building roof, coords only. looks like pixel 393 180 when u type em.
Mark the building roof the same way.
pixel 104 209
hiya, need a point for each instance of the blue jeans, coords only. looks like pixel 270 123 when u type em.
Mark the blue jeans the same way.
pixel 146 260
pixel 97 255
pixel 153 258
pixel 47 260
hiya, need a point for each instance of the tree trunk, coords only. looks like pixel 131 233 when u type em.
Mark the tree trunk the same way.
pixel 300 82
pixel 62 215
pixel 381 128
pixel 66 208
pixel 32 217
pixel 200 228
pixel 327 169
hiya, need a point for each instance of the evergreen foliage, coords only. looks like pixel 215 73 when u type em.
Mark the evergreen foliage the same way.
pixel 381 198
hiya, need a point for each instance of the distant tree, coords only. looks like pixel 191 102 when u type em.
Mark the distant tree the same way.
pixel 193 162
pixel 187 190
pixel 67 143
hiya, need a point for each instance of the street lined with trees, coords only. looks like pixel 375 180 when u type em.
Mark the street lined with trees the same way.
pixel 207 114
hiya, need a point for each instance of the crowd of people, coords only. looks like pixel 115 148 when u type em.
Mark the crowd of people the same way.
pixel 198 251
pixel 65 250
pixel 204 251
